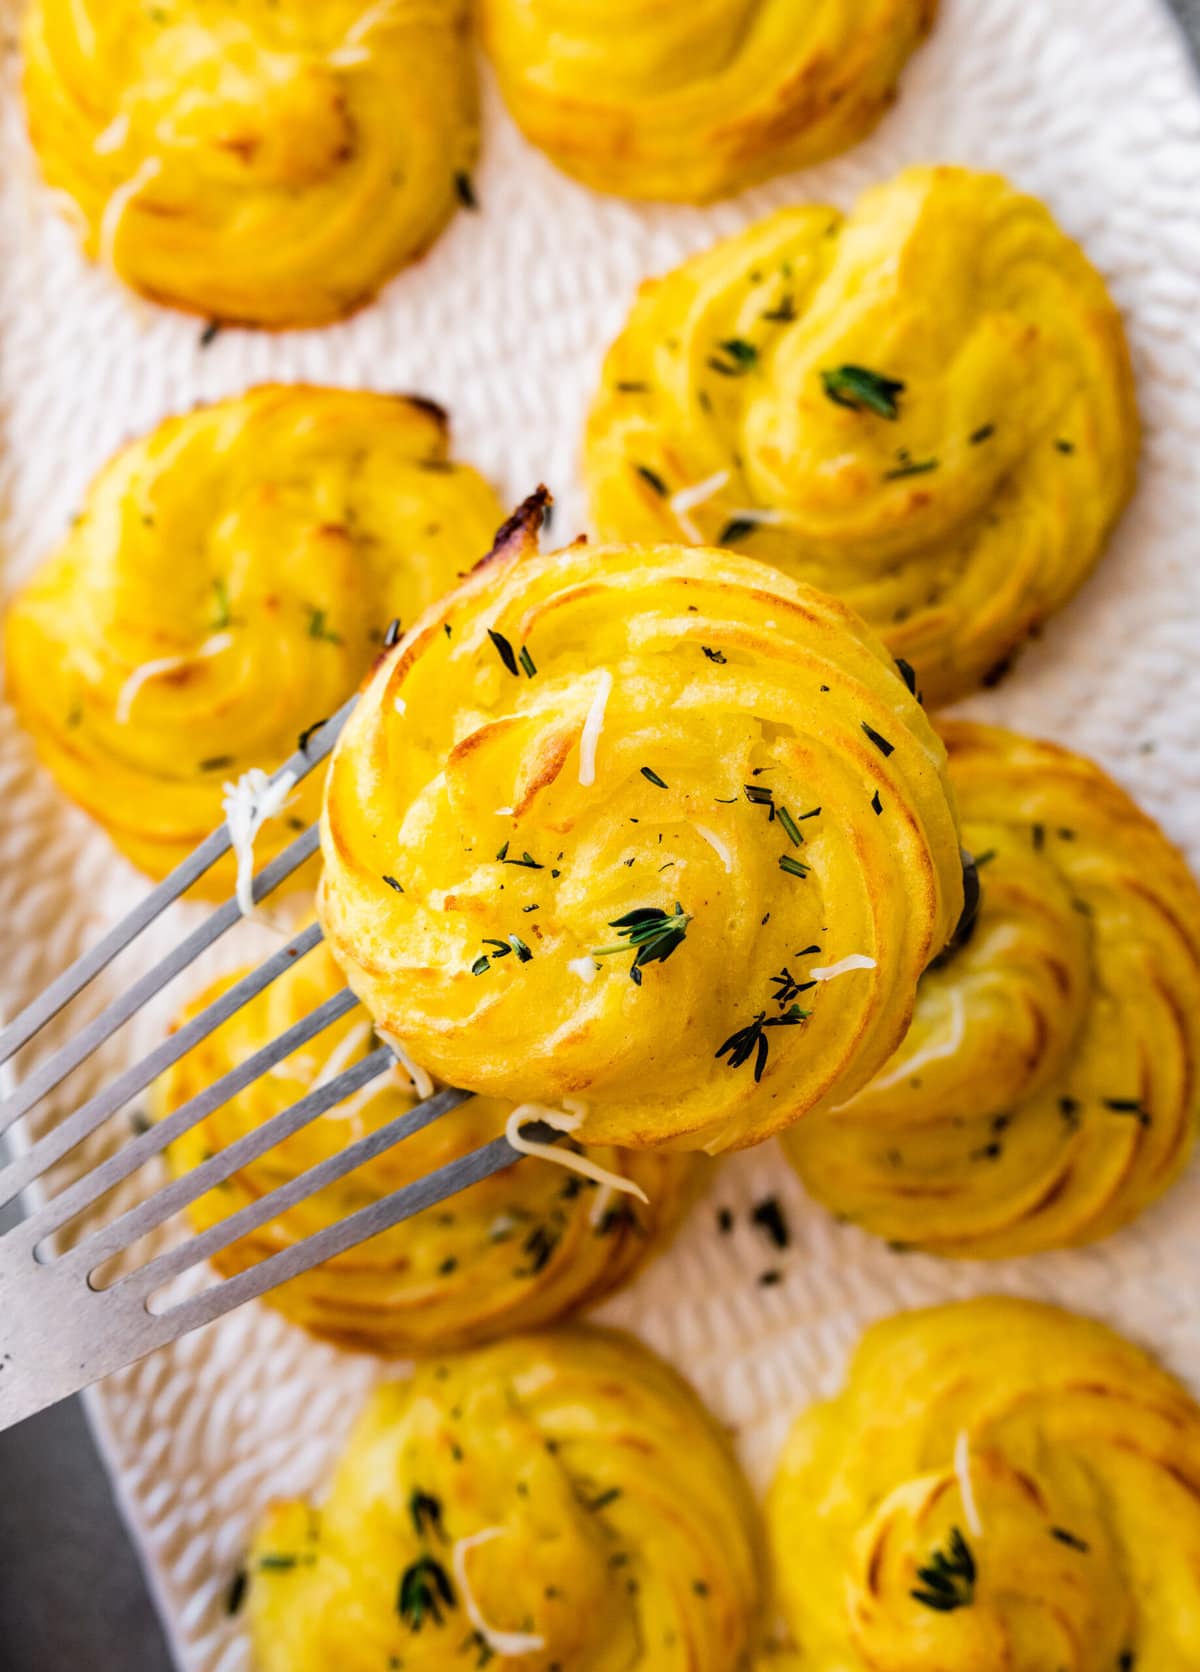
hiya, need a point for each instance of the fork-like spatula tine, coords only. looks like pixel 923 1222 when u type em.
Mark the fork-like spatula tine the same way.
pixel 62 1326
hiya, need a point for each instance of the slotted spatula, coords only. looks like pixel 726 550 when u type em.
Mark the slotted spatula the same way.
pixel 60 1329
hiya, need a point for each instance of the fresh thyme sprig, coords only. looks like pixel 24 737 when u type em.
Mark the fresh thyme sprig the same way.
pixel 752 1039
pixel 654 932
pixel 948 1578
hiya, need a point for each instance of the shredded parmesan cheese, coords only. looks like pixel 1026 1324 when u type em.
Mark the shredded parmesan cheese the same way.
pixel 341 1054
pixel 905 1069
pixel 114 210
pixel 589 737
pixel 855 961
pixel 505 812
pixel 688 498
pixel 499 1642
pixel 562 1122
pixel 756 514
pixel 249 803
pixel 422 1079
pixel 716 844
pixel 586 969
pixel 114 136
pixel 962 1468
pixel 163 664
pixel 70 209
pixel 600 1206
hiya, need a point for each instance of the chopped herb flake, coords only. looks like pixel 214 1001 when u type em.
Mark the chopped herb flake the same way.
pixel 863 390
pixel 789 826
pixel 768 1216
pixel 910 467
pixel 318 627
pixel 653 777
pixel 736 357
pixel 652 479
pixel 881 743
pixel 504 650
pixel 426 1511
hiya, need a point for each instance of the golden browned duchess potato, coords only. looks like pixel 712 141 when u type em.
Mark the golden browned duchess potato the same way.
pixel 226 585
pixel 559 1500
pixel 266 164
pixel 516 1251
pixel 999 1484
pixel 925 407
pixel 639 801
pixel 654 99
pixel 1048 1087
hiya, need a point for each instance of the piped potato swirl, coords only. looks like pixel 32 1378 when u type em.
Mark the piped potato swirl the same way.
pixel 636 804
pixel 1049 1087
pixel 999 1484
pixel 225 586
pixel 557 1501
pixel 925 407
pixel 262 164
pixel 516 1251
pixel 651 99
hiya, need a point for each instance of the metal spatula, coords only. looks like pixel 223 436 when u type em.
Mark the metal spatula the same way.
pixel 59 1328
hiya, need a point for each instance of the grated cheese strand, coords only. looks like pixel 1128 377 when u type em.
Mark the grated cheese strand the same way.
pixel 687 499
pixel 342 1053
pixel 757 514
pixel 499 1642
pixel 716 844
pixel 248 804
pixel 962 1468
pixel 422 1079
pixel 601 1206
pixel 587 969
pixel 855 961
pixel 582 1164
pixel 114 136
pixel 932 1053
pixel 128 693
pixel 114 210
pixel 589 737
